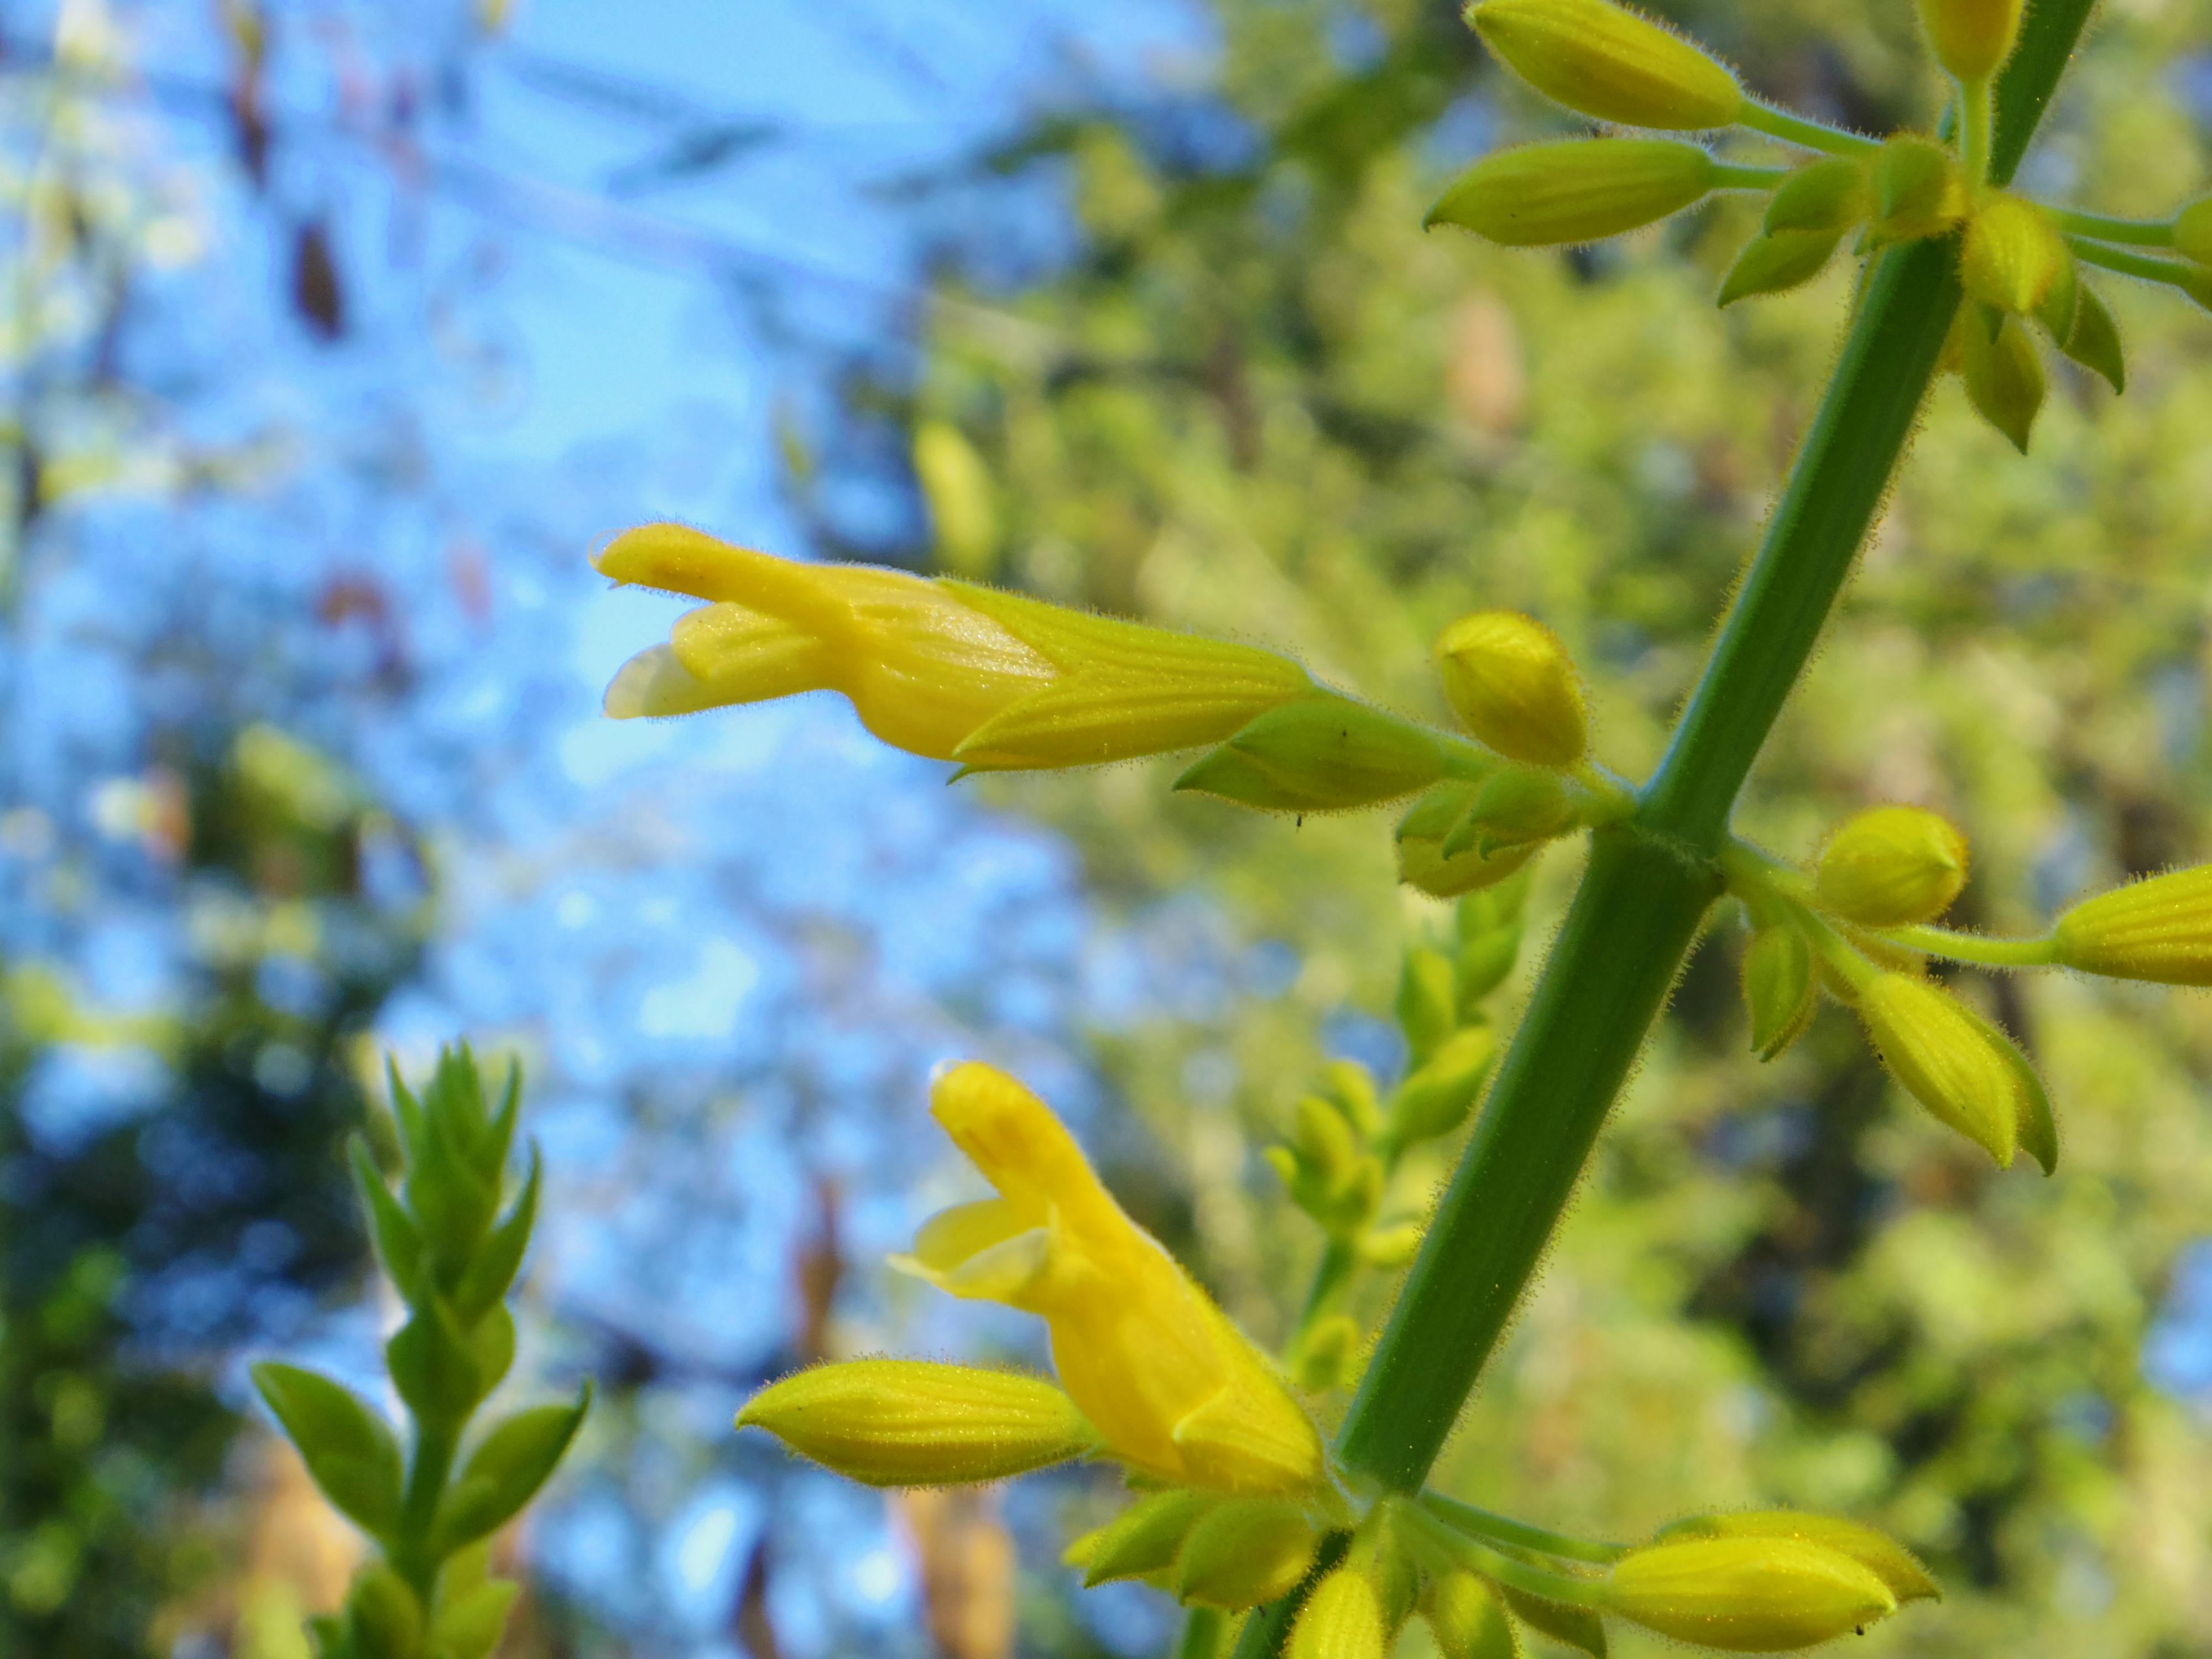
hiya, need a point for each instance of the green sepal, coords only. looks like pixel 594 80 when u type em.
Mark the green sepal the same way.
pixel 1777 262
pixel 1514 805
pixel 346 1442
pixel 492 1271
pixel 1321 753
pixel 1421 863
pixel 1780 989
pixel 2037 1132
pixel 1143 1539
pixel 432 1364
pixel 398 1243
pixel 2004 376
pixel 2093 341
pixel 1576 1626
pixel 1832 194
pixel 506 1470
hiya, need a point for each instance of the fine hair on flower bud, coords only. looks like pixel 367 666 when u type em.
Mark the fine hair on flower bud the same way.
pixel 1938 1051
pixel 1342 1618
pixel 1891 865
pixel 1510 679
pixel 918 1423
pixel 1747 1594
pixel 2012 256
pixel 1608 62
pixel 1881 1554
pixel 1918 190
pixel 2157 929
pixel 1971 39
pixel 1577 189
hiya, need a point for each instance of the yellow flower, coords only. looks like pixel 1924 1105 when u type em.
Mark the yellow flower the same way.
pixel 1173 1389
pixel 939 668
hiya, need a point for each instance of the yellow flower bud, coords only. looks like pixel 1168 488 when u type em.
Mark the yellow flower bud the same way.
pixel 1578 189
pixel 2004 376
pixel 1342 1618
pixel 1778 987
pixel 916 1423
pixel 1777 262
pixel 1833 193
pixel 1935 1049
pixel 1746 1595
pixel 1437 1098
pixel 1468 1619
pixel 2012 256
pixel 1513 682
pixel 1319 753
pixel 1877 1552
pixel 1889 865
pixel 2038 1123
pixel 1421 832
pixel 939 668
pixel 2192 231
pixel 1244 1553
pixel 1143 1539
pixel 1608 62
pixel 2160 929
pixel 1172 1387
pixel 1918 191
pixel 1971 39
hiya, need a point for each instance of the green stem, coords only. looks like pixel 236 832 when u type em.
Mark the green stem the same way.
pixel 2136 233
pixel 1803 132
pixel 1974 947
pixel 1650 878
pixel 1433 1538
pixel 1465 1518
pixel 1330 1278
pixel 1729 176
pixel 2173 272
pixel 1202 1634
pixel 432 1462
pixel 1977 113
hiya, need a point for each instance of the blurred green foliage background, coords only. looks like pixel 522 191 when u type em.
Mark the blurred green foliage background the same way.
pixel 1249 396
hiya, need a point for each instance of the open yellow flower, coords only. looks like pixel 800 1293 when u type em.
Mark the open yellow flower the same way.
pixel 944 669
pixel 1173 1389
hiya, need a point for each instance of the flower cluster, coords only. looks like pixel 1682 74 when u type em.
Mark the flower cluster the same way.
pixel 2018 263
pixel 1235 1497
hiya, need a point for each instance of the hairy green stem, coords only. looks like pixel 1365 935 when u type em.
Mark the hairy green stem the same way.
pixel 1481 1523
pixel 2041 952
pixel 2136 233
pixel 2174 272
pixel 1729 176
pixel 1807 134
pixel 1650 878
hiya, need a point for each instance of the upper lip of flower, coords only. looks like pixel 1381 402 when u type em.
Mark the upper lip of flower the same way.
pixel 1171 1385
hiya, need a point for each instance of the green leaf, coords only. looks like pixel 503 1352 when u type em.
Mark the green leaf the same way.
pixel 1576 1626
pixel 506 1470
pixel 493 1270
pixel 388 1619
pixel 491 1345
pixel 499 1135
pixel 453 1204
pixel 347 1445
pixel 432 1366
pixel 398 1244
